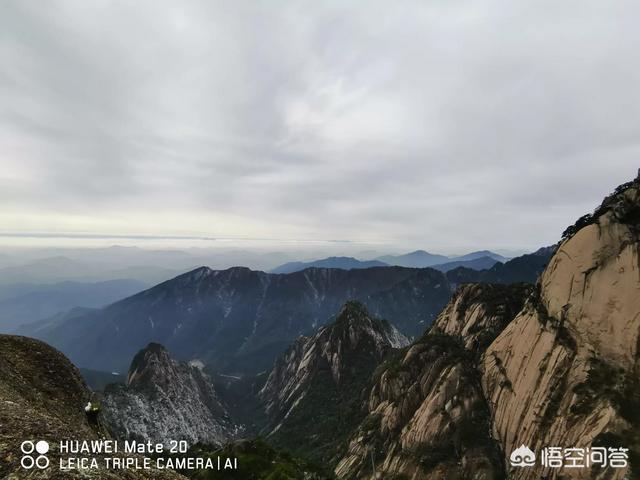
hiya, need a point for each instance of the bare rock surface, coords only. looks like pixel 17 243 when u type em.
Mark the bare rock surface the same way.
pixel 165 400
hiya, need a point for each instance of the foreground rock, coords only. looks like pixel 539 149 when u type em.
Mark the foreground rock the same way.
pixel 42 397
pixel 165 400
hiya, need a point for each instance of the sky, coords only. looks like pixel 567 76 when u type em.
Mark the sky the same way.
pixel 445 125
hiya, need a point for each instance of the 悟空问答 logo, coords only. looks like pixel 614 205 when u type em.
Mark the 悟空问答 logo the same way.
pixel 522 456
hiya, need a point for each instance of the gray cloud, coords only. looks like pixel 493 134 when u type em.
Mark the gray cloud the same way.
pixel 444 125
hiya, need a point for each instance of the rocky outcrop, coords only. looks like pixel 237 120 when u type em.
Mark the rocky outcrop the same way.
pixel 565 372
pixel 165 400
pixel 42 397
pixel 312 396
pixel 426 413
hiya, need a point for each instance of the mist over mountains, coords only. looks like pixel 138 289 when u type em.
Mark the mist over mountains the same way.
pixel 239 319
pixel 40 283
pixel 412 372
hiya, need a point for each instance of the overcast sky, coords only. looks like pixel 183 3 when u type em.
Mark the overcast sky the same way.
pixel 443 125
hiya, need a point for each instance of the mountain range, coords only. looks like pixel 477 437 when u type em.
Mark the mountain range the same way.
pixel 239 320
pixel 505 367
pixel 422 259
pixel 419 259
pixel 345 263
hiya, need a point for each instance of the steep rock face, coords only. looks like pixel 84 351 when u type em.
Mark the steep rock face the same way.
pixel 239 320
pixel 313 394
pixel 164 400
pixel 565 372
pixel 42 397
pixel 427 418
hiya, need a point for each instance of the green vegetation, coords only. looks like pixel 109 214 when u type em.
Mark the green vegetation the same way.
pixel 625 211
pixel 603 382
pixel 606 382
pixel 563 335
pixel 392 364
pixel 471 432
pixel 432 455
pixel 553 405
pixel 256 461
pixel 321 423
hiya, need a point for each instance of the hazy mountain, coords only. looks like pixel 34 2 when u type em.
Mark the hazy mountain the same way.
pixel 238 319
pixel 144 264
pixel 312 396
pixel 32 302
pixel 478 255
pixel 526 268
pixel 417 259
pixel 61 269
pixel 163 400
pixel 345 263
pixel 420 259
pixel 44 270
pixel 480 263
pixel 42 397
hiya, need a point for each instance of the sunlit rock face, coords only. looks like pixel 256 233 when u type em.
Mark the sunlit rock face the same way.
pixel 505 373
pixel 565 371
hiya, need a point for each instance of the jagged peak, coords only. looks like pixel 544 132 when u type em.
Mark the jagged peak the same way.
pixel 197 272
pixel 352 310
pixel 355 315
pixel 354 318
pixel 152 354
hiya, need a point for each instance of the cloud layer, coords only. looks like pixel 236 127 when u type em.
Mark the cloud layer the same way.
pixel 442 125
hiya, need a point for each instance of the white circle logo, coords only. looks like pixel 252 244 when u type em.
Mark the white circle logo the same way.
pixel 42 447
pixel 28 447
pixel 27 462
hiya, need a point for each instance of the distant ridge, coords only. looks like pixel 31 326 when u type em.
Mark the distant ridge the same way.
pixel 345 263
pixel 480 263
pixel 417 259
